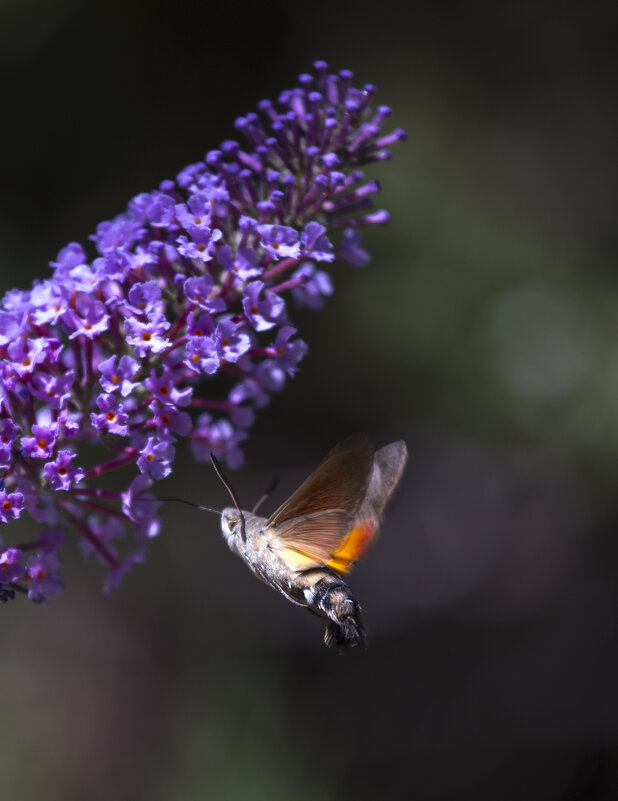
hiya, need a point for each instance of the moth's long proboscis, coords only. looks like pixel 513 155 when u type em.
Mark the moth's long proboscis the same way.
pixel 189 503
pixel 178 500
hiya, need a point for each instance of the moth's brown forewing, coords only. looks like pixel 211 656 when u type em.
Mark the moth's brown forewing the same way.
pixel 338 482
pixel 335 514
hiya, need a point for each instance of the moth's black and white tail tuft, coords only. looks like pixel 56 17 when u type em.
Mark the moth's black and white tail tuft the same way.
pixel 347 635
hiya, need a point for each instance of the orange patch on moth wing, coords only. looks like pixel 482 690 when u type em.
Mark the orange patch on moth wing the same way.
pixel 352 547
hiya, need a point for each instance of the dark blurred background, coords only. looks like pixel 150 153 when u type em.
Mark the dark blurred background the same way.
pixel 484 333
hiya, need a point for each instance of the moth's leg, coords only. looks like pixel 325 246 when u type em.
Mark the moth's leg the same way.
pixel 329 596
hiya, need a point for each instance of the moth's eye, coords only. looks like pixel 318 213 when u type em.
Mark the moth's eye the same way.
pixel 233 524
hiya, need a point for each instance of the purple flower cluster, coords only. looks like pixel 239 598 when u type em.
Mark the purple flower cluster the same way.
pixel 192 281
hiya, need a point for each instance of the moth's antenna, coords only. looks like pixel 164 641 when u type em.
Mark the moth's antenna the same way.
pixel 228 487
pixel 271 488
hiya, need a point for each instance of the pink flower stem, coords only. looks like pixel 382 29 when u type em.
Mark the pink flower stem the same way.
pixel 131 455
pixel 77 359
pixel 96 493
pixel 89 377
pixel 179 323
pixel 283 287
pixel 279 268
pixel 203 403
pixel 99 507
pixel 174 345
pixel 31 546
pixel 229 283
pixel 91 537
pixel 235 371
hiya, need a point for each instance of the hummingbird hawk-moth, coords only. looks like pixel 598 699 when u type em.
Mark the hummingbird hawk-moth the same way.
pixel 314 538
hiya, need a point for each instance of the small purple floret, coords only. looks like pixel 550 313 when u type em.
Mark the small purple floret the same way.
pixel 232 340
pixel 289 353
pixel 280 241
pixel 263 313
pixel 116 374
pixel 12 566
pixel 155 459
pixel 60 474
pixel 44 575
pixel 112 417
pixel 315 286
pixel 11 505
pixel 41 444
